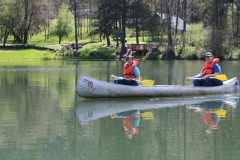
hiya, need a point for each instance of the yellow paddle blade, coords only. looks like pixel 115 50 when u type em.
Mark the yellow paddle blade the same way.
pixel 147 83
pixel 221 113
pixel 147 115
pixel 221 77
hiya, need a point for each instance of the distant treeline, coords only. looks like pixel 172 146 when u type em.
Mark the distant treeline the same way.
pixel 111 19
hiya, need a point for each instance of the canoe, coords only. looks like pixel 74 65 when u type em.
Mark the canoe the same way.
pixel 88 87
pixel 89 110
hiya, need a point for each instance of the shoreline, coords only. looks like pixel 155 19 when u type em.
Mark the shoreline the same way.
pixel 28 52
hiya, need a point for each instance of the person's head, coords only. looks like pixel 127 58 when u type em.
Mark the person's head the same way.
pixel 208 57
pixel 129 59
pixel 130 132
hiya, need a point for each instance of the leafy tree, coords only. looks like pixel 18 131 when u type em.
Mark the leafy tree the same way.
pixel 139 14
pixel 105 17
pixel 8 19
pixel 64 23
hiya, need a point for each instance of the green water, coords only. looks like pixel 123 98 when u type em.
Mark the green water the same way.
pixel 42 118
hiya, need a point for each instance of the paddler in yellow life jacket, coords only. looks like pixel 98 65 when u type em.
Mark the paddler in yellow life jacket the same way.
pixel 211 68
pixel 131 73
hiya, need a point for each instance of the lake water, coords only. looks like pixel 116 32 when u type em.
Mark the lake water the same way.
pixel 42 118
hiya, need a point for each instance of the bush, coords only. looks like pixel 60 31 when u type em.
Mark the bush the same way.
pixel 97 52
pixel 190 53
pixel 153 54
pixel 100 54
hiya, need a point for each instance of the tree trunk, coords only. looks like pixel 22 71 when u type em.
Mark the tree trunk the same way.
pixel 108 40
pixel 25 34
pixel 117 35
pixel 184 15
pixel 81 29
pixel 123 37
pixel 143 36
pixel 25 37
pixel 137 23
pixel 18 38
pixel 45 34
pixel 177 14
pixel 75 24
pixel 237 21
pixel 48 26
pixel 6 34
pixel 60 39
pixel 170 54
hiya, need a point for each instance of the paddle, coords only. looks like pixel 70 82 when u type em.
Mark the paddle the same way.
pixel 221 77
pixel 147 115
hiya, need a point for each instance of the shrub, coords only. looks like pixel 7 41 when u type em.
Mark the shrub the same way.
pixel 97 52
pixel 153 54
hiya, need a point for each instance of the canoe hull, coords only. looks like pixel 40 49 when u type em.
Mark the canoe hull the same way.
pixel 88 87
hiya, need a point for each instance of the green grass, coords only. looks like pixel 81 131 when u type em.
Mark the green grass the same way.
pixel 39 40
pixel 26 54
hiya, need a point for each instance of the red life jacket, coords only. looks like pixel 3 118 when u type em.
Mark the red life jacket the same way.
pixel 208 67
pixel 209 119
pixel 128 70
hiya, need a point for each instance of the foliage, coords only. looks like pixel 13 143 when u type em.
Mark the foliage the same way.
pixel 97 52
pixel 153 54
pixel 63 25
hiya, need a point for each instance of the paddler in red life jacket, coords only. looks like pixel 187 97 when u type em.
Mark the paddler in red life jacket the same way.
pixel 131 73
pixel 210 70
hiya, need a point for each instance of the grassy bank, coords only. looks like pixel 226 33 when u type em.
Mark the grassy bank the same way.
pixel 90 51
pixel 10 54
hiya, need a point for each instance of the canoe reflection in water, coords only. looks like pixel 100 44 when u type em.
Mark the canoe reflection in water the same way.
pixel 213 112
pixel 133 111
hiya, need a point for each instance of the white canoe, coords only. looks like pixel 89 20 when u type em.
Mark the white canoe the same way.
pixel 88 110
pixel 88 87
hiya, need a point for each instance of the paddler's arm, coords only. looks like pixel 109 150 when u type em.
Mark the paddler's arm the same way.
pixel 210 75
pixel 200 75
pixel 113 77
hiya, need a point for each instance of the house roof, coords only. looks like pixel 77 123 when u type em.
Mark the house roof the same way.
pixel 173 21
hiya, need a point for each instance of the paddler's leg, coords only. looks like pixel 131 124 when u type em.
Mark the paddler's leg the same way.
pixel 199 82
pixel 211 82
pixel 133 83
pixel 126 82
pixel 118 81
pixel 130 82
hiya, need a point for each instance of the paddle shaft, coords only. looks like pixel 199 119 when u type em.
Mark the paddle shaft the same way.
pixel 221 77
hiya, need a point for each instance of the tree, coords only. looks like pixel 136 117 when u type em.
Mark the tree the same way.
pixel 139 14
pixel 170 54
pixel 63 26
pixel 123 23
pixel 74 6
pixel 75 24
pixel 8 19
pixel 106 18
pixel 34 12
pixel 23 17
pixel 219 25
